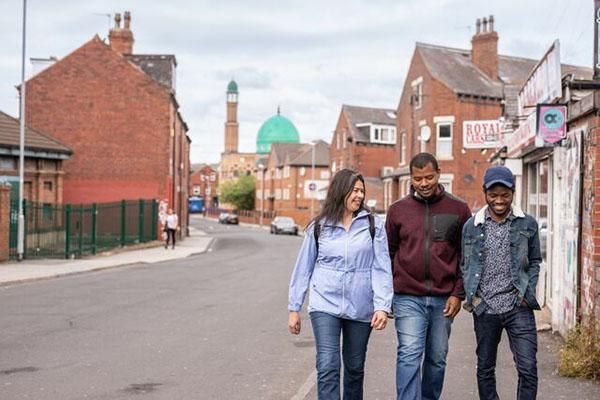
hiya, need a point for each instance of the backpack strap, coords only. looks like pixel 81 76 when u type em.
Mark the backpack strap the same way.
pixel 371 226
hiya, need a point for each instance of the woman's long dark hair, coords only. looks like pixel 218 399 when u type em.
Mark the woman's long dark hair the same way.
pixel 335 203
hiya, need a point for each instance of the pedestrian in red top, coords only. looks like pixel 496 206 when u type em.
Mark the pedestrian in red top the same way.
pixel 424 237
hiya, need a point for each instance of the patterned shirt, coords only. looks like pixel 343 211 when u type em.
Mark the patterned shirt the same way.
pixel 496 288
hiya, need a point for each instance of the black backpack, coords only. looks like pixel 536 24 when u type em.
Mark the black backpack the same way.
pixel 317 230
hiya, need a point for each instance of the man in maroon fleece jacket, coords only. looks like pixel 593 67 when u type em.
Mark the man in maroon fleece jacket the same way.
pixel 424 233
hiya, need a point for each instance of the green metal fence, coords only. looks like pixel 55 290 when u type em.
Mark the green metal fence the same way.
pixel 65 231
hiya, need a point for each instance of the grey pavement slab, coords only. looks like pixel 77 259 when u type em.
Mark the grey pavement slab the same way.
pixel 27 270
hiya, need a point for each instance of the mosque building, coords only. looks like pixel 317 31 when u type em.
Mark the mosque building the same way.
pixel 276 129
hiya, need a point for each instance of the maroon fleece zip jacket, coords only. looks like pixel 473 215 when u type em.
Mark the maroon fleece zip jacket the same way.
pixel 424 237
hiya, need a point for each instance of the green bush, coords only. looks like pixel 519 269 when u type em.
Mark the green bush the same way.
pixel 580 354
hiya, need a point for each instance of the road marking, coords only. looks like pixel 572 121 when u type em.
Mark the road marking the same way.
pixel 306 387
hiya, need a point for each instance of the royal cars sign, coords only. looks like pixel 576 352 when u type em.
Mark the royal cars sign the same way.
pixel 481 134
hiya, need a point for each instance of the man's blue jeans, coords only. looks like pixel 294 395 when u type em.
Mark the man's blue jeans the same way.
pixel 355 336
pixel 522 336
pixel 423 334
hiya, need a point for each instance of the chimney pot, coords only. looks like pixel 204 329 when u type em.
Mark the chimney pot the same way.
pixel 485 29
pixel 478 25
pixel 127 19
pixel 117 21
pixel 491 23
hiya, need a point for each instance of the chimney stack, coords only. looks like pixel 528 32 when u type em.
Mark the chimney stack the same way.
pixel 121 39
pixel 484 47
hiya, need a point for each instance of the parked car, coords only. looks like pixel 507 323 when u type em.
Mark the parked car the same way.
pixel 284 225
pixel 228 218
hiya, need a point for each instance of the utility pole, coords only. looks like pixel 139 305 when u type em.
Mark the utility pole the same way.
pixel 21 220
pixel 596 39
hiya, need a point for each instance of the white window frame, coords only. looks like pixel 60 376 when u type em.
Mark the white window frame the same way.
pixel 286 194
pixel 417 86
pixel 286 171
pixel 302 171
pixel 333 165
pixel 403 148
pixel 277 194
pixel 439 121
pixel 446 180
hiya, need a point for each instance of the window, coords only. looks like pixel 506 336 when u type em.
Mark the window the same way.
pixel 444 136
pixel 337 140
pixel 278 173
pixel 382 134
pixel 403 149
pixel 417 95
pixel 444 140
pixel 286 171
pixel 278 194
pixel 333 167
pixel 8 163
pixel 286 194
pixel 302 171
pixel 48 186
pixel 446 181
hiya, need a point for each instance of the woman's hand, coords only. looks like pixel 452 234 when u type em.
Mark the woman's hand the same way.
pixel 379 320
pixel 294 322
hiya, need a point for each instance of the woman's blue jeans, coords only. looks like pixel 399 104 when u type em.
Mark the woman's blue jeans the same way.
pixel 355 337
pixel 522 336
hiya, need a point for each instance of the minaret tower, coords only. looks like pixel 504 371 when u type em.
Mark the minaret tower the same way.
pixel 232 126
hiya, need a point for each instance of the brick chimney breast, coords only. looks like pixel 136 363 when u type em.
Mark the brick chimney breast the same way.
pixel 121 39
pixel 484 47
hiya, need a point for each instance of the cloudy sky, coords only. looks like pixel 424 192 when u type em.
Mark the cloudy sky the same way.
pixel 308 56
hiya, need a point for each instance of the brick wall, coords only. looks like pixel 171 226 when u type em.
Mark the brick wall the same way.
pixel 4 221
pixel 590 247
pixel 117 120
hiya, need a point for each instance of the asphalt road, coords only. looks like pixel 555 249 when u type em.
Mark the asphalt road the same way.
pixel 211 326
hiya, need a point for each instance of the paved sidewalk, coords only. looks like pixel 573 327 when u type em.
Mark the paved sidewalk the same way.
pixel 29 270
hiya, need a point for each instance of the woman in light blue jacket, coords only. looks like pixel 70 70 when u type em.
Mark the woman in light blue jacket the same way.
pixel 349 273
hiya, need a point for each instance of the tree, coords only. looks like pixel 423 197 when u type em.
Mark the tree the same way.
pixel 241 193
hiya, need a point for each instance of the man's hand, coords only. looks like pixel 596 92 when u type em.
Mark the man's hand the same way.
pixel 379 320
pixel 294 322
pixel 452 307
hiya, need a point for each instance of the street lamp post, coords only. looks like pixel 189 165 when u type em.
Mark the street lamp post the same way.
pixel 312 177
pixel 262 193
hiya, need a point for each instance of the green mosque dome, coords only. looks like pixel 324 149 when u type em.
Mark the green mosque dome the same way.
pixel 232 87
pixel 276 129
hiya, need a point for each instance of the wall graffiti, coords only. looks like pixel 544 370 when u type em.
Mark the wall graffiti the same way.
pixel 567 191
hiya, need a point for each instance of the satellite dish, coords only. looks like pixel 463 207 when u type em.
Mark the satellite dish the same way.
pixel 425 133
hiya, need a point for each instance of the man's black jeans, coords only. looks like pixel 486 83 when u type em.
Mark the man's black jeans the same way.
pixel 522 335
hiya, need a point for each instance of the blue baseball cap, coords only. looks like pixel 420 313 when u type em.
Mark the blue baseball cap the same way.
pixel 498 174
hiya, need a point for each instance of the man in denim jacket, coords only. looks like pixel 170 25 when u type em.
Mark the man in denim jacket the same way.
pixel 500 265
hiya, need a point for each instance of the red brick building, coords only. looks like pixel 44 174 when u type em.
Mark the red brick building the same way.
pixel 204 181
pixel 119 114
pixel 446 92
pixel 288 174
pixel 44 157
pixel 364 139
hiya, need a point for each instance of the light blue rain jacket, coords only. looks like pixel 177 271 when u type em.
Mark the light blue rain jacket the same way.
pixel 352 275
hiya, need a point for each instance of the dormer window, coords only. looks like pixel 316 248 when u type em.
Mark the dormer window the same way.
pixel 384 134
